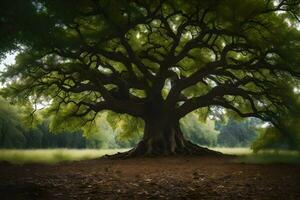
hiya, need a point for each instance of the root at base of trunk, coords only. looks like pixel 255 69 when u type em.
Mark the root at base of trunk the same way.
pixel 145 150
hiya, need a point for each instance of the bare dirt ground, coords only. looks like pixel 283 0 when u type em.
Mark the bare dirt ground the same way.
pixel 150 178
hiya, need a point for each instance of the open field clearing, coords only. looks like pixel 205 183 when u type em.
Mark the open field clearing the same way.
pixel 52 156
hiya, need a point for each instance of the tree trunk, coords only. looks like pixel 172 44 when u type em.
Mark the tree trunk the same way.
pixel 163 136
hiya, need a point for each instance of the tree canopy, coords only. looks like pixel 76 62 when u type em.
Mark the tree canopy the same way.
pixel 157 60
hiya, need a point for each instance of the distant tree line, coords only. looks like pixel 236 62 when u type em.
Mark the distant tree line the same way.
pixel 209 133
pixel 232 133
pixel 237 133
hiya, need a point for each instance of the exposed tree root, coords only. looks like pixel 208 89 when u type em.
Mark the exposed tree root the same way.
pixel 142 150
pixel 163 139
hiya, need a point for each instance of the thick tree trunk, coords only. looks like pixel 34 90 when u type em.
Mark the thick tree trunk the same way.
pixel 163 136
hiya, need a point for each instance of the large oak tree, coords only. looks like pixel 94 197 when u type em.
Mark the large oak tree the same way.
pixel 157 60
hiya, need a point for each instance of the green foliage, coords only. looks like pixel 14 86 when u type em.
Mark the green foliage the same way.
pixel 17 132
pixel 128 57
pixel 272 138
pixel 103 137
pixel 10 128
pixel 199 133
pixel 286 135
pixel 14 18
pixel 268 138
pixel 126 127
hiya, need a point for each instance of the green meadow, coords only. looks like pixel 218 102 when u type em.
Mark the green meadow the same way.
pixel 52 156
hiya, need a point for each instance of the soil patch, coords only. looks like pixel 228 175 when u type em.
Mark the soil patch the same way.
pixel 150 178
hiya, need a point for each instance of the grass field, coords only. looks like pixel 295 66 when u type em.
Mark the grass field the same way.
pixel 52 156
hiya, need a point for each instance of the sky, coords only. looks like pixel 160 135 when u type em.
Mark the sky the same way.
pixel 10 59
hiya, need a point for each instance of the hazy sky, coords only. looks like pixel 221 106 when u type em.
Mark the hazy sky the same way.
pixel 10 59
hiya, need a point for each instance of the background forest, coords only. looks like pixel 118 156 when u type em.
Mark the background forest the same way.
pixel 16 133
